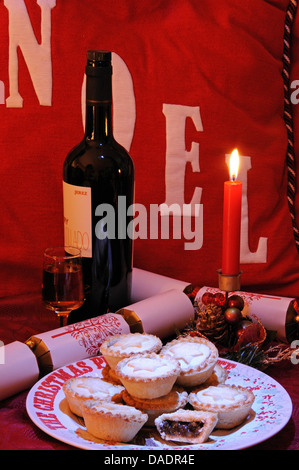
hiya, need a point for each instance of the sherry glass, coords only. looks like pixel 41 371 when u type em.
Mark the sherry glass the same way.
pixel 62 287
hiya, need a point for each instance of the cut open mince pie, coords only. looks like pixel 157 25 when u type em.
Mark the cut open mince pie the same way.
pixel 118 347
pixel 231 403
pixel 112 421
pixel 197 357
pixel 79 389
pixel 189 426
pixel 175 399
pixel 148 375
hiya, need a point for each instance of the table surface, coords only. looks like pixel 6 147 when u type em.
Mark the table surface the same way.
pixel 19 322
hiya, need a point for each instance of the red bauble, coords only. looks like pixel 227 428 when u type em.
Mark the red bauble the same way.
pixel 233 315
pixel 219 299
pixel 207 298
pixel 296 305
pixel 235 301
pixel 243 325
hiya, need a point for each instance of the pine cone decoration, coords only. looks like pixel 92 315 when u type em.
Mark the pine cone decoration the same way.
pixel 211 323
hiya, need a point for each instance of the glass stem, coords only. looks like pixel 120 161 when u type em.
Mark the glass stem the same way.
pixel 62 318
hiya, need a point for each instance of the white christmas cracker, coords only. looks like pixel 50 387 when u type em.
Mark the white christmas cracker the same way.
pixel 18 369
pixel 146 284
pixel 274 312
pixel 161 315
pixel 75 342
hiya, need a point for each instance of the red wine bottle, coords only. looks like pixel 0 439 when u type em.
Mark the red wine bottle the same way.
pixel 98 189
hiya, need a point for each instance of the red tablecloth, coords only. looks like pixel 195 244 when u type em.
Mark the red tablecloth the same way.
pixel 20 318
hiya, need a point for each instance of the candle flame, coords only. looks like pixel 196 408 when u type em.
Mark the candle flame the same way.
pixel 234 165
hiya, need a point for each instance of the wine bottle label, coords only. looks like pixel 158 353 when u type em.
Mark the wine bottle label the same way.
pixel 77 218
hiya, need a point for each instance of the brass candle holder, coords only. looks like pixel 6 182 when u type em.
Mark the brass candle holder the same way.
pixel 229 282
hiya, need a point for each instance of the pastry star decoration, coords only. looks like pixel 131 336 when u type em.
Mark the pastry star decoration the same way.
pixel 149 366
pixel 124 345
pixel 187 356
pixel 83 385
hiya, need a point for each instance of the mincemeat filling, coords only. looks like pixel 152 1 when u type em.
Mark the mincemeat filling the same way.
pixel 182 428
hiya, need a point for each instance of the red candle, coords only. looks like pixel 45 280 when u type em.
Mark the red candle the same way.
pixel 232 219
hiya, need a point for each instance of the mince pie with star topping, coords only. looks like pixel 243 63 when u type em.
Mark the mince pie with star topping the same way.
pixel 218 376
pixel 112 421
pixel 148 375
pixel 193 427
pixel 197 357
pixel 231 403
pixel 79 389
pixel 175 399
pixel 118 347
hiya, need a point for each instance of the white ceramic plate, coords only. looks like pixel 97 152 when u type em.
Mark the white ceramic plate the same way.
pixel 48 409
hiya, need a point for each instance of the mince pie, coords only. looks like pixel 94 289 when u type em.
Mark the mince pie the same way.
pixel 175 399
pixel 79 389
pixel 218 376
pixel 109 375
pixel 197 357
pixel 232 403
pixel 118 347
pixel 112 421
pixel 148 375
pixel 189 426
